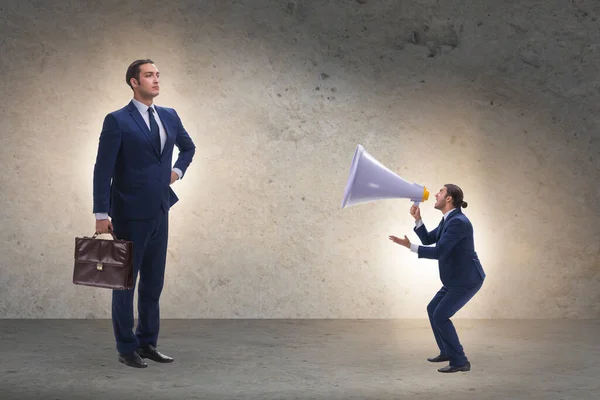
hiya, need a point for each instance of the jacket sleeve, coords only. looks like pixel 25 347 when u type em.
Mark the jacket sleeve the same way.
pixel 108 148
pixel 186 147
pixel 454 233
pixel 427 238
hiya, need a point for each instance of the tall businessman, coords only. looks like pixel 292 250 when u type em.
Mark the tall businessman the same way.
pixel 132 178
pixel 460 271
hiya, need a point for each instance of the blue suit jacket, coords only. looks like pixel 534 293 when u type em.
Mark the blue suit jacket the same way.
pixel 454 250
pixel 131 177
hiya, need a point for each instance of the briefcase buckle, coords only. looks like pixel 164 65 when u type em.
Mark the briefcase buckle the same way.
pixel 99 266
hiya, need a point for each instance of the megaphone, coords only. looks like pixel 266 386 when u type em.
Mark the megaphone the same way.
pixel 369 180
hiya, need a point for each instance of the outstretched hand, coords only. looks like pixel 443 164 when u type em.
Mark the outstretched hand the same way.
pixel 404 242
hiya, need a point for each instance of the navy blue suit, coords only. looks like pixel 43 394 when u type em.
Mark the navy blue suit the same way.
pixel 132 184
pixel 461 274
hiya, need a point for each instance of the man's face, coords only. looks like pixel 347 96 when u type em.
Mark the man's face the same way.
pixel 440 199
pixel 148 85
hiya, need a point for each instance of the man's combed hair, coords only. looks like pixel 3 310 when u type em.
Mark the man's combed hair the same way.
pixel 134 70
pixel 457 195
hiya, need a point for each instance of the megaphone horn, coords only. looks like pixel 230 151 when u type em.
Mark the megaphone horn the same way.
pixel 370 180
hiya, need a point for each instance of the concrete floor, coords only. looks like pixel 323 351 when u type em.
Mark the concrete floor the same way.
pixel 302 359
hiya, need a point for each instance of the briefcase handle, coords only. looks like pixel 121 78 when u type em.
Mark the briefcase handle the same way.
pixel 111 233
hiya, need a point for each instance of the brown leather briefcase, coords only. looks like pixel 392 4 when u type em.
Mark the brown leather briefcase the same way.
pixel 103 263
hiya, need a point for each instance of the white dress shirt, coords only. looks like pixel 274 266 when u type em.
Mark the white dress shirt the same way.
pixel 143 109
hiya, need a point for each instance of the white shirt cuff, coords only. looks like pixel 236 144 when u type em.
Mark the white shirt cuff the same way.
pixel 418 223
pixel 178 172
pixel 414 248
pixel 101 215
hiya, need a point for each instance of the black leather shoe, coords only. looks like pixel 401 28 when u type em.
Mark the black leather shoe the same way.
pixel 132 360
pixel 450 368
pixel 439 358
pixel 149 351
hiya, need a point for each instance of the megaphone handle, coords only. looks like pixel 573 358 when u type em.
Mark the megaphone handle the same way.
pixel 416 203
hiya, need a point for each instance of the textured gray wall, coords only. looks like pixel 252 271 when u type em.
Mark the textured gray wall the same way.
pixel 500 99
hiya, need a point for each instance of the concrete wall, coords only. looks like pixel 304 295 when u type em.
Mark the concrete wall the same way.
pixel 500 98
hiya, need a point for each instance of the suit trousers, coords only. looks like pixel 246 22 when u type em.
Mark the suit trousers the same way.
pixel 149 237
pixel 446 302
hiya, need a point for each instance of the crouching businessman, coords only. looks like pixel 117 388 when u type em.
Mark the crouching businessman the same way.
pixel 132 178
pixel 460 271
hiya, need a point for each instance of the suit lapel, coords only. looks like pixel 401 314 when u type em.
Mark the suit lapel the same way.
pixel 444 222
pixel 164 118
pixel 137 117
pixel 440 228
